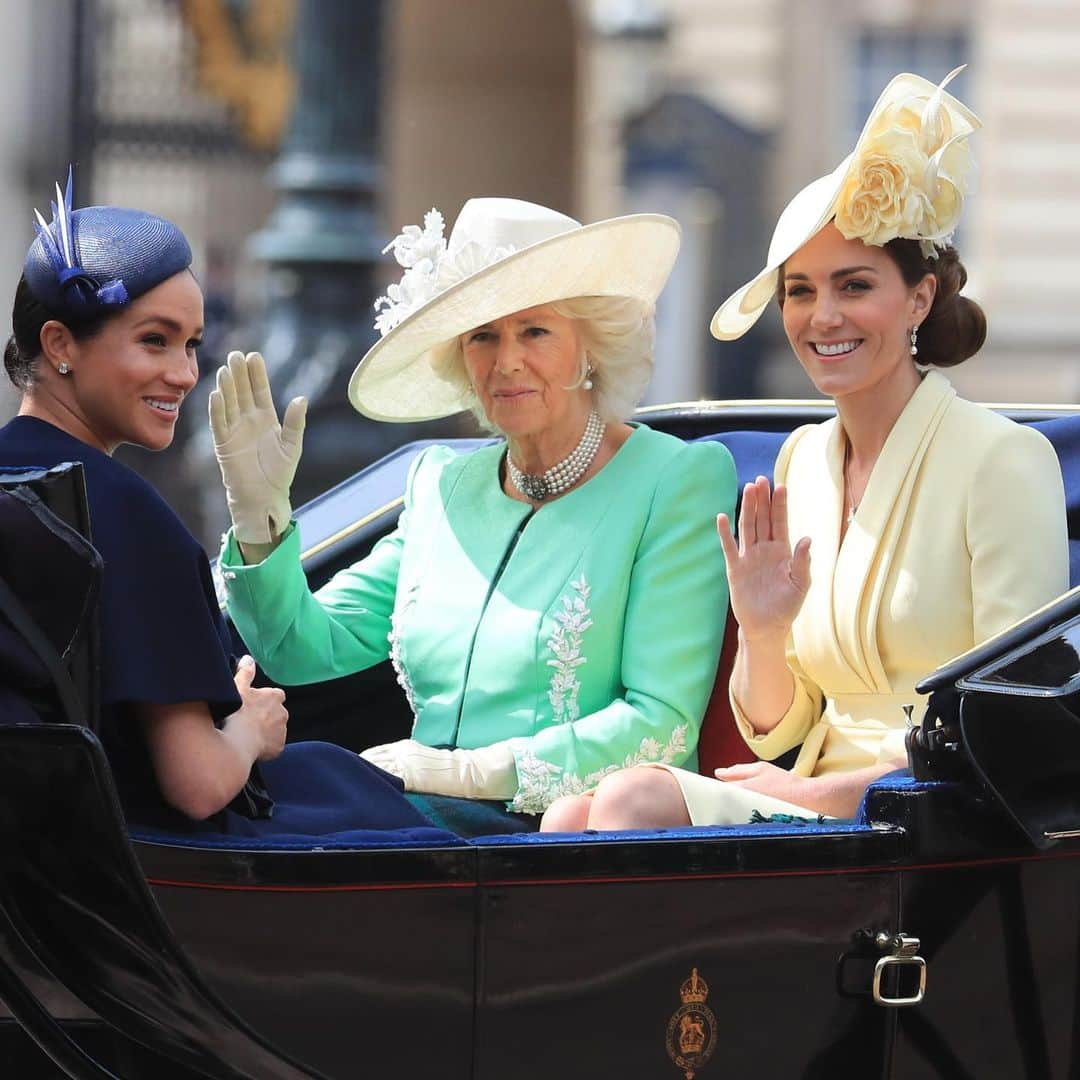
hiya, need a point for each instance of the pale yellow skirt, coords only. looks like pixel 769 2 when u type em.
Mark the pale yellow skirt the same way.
pixel 712 802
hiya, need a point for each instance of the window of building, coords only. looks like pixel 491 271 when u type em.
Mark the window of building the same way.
pixel 884 52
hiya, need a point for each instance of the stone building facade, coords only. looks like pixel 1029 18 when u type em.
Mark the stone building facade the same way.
pixel 715 110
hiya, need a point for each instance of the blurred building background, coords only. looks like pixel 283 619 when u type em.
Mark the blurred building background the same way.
pixel 291 139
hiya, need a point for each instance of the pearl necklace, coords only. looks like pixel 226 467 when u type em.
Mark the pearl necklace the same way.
pixel 566 473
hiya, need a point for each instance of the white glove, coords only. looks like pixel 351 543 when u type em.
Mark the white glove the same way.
pixel 486 773
pixel 258 457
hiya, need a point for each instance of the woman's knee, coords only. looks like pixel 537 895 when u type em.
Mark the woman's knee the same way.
pixel 568 814
pixel 639 798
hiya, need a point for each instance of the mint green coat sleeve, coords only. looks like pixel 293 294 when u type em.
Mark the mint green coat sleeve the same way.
pixel 674 627
pixel 302 637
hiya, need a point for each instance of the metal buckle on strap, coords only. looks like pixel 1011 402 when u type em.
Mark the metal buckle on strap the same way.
pixel 903 952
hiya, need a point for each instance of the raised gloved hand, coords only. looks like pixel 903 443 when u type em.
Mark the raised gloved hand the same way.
pixel 257 455
pixel 486 773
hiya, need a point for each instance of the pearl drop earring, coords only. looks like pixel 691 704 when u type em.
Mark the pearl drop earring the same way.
pixel 914 340
pixel 588 383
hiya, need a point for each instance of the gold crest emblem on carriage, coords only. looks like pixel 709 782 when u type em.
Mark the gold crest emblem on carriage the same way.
pixel 691 1031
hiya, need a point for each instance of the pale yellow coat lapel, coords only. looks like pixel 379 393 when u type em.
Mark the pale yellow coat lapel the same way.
pixel 816 626
pixel 866 554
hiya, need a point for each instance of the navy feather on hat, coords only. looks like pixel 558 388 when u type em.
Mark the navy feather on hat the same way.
pixel 100 257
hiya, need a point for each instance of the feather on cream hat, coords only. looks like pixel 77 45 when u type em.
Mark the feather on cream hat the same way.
pixel 503 255
pixel 906 177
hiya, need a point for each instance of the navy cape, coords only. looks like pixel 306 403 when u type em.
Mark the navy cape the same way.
pixel 164 641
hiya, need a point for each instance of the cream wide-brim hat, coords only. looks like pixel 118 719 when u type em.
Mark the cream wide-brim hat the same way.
pixel 815 206
pixel 554 258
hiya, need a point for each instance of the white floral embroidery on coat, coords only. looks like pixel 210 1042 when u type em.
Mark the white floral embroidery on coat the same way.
pixel 540 782
pixel 398 618
pixel 565 643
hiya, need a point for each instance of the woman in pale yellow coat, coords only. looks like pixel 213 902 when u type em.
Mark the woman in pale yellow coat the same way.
pixel 933 522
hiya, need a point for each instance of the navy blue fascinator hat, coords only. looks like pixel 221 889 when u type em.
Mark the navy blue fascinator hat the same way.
pixel 87 261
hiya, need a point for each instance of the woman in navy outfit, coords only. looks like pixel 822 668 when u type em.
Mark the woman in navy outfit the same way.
pixel 107 319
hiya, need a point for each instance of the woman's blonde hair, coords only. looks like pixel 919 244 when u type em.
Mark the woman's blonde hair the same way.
pixel 617 335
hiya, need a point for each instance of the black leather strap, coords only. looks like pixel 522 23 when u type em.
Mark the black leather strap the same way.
pixel 11 607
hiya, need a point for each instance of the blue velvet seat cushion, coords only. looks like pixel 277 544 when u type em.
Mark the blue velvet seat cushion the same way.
pixel 348 840
pixel 421 837
pixel 860 823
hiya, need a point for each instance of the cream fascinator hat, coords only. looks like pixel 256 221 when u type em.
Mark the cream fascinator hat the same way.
pixel 906 178
pixel 503 255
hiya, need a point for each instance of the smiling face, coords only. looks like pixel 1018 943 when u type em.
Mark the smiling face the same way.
pixel 520 368
pixel 848 314
pixel 127 382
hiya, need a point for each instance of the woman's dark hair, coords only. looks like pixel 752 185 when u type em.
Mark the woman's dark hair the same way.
pixel 955 328
pixel 28 316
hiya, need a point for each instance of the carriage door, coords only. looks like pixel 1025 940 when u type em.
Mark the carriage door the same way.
pixel 751 956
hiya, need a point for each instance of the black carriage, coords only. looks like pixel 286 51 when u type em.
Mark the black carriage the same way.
pixel 936 934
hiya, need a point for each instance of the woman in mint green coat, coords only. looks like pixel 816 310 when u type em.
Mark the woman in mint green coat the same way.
pixel 553 605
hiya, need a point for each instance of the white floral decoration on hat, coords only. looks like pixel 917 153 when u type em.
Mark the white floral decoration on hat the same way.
pixel 469 259
pixel 909 176
pixel 430 268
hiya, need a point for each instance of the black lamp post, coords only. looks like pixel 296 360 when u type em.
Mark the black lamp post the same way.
pixel 322 242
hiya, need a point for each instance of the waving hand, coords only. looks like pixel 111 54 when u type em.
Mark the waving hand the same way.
pixel 257 455
pixel 767 580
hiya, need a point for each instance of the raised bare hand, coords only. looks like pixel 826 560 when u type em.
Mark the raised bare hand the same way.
pixel 767 580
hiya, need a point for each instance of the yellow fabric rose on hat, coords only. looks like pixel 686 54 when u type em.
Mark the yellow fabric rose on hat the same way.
pixel 908 177
pixel 882 197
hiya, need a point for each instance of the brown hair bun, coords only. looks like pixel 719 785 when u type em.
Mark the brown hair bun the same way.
pixel 955 328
